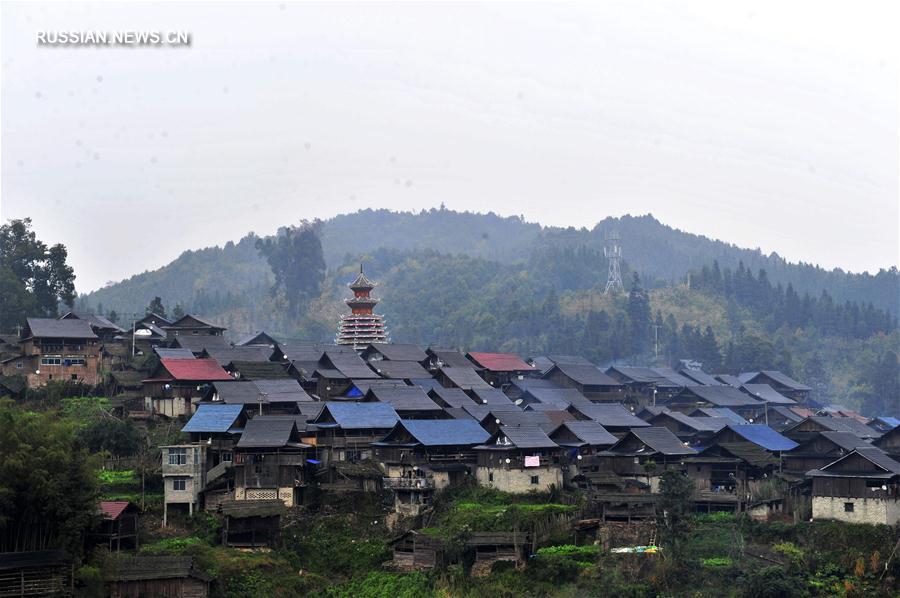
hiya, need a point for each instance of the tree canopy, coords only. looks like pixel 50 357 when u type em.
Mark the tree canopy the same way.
pixel 296 258
pixel 34 277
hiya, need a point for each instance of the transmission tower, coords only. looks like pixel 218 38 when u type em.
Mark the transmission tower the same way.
pixel 613 253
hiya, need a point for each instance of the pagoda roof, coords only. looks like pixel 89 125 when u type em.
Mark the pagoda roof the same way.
pixel 361 282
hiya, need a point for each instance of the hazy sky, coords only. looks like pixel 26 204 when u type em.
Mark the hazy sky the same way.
pixel 765 124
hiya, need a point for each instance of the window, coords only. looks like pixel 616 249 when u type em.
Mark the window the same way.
pixel 535 480
pixel 177 456
pixel 74 376
pixel 226 456
pixel 179 484
pixel 848 507
pixel 51 360
pixel 19 365
pixel 74 361
pixel 491 476
pixel 195 332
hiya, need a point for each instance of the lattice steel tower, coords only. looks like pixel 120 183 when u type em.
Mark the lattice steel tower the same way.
pixel 613 253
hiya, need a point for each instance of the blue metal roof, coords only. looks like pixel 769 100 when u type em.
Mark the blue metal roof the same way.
pixel 764 436
pixel 446 432
pixel 362 415
pixel 213 418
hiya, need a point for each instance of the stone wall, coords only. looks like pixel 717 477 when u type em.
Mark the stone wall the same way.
pixel 865 510
pixel 519 481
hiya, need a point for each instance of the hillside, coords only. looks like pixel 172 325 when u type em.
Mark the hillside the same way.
pixel 235 273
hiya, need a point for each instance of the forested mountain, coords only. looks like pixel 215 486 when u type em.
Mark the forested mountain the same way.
pixel 662 255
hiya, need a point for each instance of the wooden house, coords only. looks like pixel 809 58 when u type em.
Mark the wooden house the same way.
pixel 579 440
pixel 37 573
pixel 809 427
pixel 378 352
pixel 56 350
pixel 254 354
pixel 820 450
pixel 498 369
pixel 422 456
pixel 729 476
pixel 191 325
pixel 519 459
pixel 588 380
pixel 450 397
pixel 198 345
pixel 690 398
pixel 643 454
pixel 466 378
pixel 613 416
pixel 176 383
pixel 692 430
pixel 440 358
pixel 257 339
pixel 779 381
pixel 118 525
pixel 643 385
pixel 165 576
pixel 889 442
pixel 251 523
pixel 417 551
pixel 346 431
pixel 270 461
pixel 860 487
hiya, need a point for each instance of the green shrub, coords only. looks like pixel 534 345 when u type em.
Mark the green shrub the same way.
pixel 380 584
pixel 716 561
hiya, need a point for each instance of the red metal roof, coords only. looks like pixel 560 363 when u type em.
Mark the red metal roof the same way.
pixel 195 369
pixel 111 509
pixel 500 362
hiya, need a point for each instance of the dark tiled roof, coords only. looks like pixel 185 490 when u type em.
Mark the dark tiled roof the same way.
pixel 398 352
pixel 245 354
pixel 558 396
pixel 53 328
pixel 490 396
pixel 445 432
pixel 611 415
pixel 730 380
pixel 178 353
pixel 879 459
pixel 778 377
pixel 698 424
pixel 500 362
pixel 450 358
pixel 673 376
pixel 256 391
pixel 660 440
pixel 279 390
pixel 843 424
pixel 845 440
pixel 33 560
pixel 241 509
pixel 350 365
pixel 766 393
pixel 95 320
pixel 465 378
pixel 267 432
pixel 255 338
pixel 403 398
pixel 193 321
pixel 452 397
pixel 201 342
pixel 521 418
pixel 590 433
pixel 700 377
pixel 570 360
pixel 350 416
pixel 641 375
pixel 720 396
pixel 139 568
pixel 586 375
pixel 402 370
pixel 719 412
pixel 251 370
pixel 213 418
pixel 522 437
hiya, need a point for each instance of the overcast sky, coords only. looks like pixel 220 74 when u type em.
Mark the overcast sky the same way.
pixel 765 124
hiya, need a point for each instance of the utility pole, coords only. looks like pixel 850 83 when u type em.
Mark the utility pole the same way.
pixel 656 342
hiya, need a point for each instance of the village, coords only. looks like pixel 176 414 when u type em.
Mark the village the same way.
pixel 267 427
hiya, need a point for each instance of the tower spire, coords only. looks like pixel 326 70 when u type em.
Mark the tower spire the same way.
pixel 613 253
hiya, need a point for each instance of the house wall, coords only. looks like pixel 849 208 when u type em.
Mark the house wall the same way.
pixel 30 361
pixel 285 494
pixel 518 480
pixel 865 510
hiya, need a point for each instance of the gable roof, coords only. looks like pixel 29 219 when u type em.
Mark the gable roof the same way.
pixel 195 370
pixel 761 435
pixel 251 370
pixel 443 432
pixel 698 424
pixel 700 377
pixel 720 412
pixel 111 509
pixel 213 418
pixel 466 378
pixel 720 396
pixel 449 357
pixel 589 432
pixel 403 398
pixel 398 351
pixel 658 439
pixel 840 424
pixel 730 380
pixel 192 321
pixel 557 396
pixel 200 343
pixel 500 362
pixel 53 328
pixel 452 397
pixel 400 370
pixel 611 415
pixel 177 353
pixel 673 376
pixel 95 320
pixel 264 431
pixel 521 418
pixel 355 416
pixel 873 455
pixel 521 437
pixel 281 389
pixel 775 375
pixel 350 365
pixel 585 375
pixel 227 355
pixel 766 393
pixel 641 375
pixel 256 338
pixel 490 397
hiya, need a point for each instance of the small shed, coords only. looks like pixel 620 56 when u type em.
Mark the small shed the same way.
pixel 252 523
pixel 164 576
pixel 118 524
pixel 38 573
